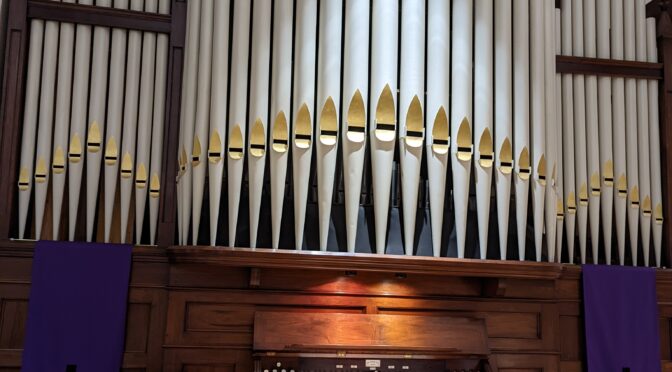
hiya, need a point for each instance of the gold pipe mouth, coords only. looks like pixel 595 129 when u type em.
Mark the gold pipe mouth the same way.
pixel 279 140
pixel 441 133
pixel 236 150
pixel 328 124
pixel 258 139
pixel 215 148
pixel 356 120
pixel 303 131
pixel 385 124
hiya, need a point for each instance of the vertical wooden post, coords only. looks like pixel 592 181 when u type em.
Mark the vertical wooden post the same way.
pixel 16 47
pixel 661 10
pixel 167 205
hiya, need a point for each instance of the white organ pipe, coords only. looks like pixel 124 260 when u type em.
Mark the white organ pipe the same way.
pixel 569 182
pixel 631 150
pixel 281 99
pixel 605 127
pixel 580 129
pixel 62 122
pixel 30 121
pixel 560 191
pixel 551 125
pixel 218 113
pixel 483 115
pixel 237 110
pixel 115 101
pixel 303 104
pixel 654 145
pixel 45 122
pixel 538 116
pixel 618 115
pixel 97 105
pixel 411 120
pixel 328 104
pixel 438 106
pixel 258 118
pixel 199 149
pixel 161 74
pixel 145 119
pixel 461 114
pixel 355 93
pixel 187 117
pixel 80 96
pixel 521 118
pixel 592 133
pixel 384 48
pixel 643 132
pixel 503 117
pixel 130 124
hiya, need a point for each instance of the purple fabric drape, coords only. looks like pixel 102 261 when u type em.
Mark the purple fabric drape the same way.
pixel 77 307
pixel 621 319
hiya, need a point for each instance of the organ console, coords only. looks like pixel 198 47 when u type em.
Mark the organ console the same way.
pixel 437 89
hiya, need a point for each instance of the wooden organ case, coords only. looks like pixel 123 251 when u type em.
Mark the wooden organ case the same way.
pixel 197 308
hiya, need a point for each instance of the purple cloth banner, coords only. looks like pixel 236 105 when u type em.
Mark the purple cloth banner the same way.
pixel 621 319
pixel 77 307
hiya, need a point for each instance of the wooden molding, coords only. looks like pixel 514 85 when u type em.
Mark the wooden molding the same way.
pixel 609 67
pixel 98 16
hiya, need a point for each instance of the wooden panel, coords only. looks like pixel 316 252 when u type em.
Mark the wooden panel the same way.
pixel 572 340
pixel 521 362
pixel 13 316
pixel 314 331
pixel 208 360
pixel 608 67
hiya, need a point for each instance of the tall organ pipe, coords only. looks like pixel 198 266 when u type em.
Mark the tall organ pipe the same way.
pixel 199 149
pixel 483 115
pixel 62 121
pixel 521 116
pixel 354 117
pixel 281 99
pixel 80 96
pixel 303 103
pixel 218 113
pixel 569 180
pixel 411 120
pixel 115 112
pixel 461 114
pixel 438 106
pixel 631 129
pixel 97 106
pixel 619 142
pixel 605 128
pixel 580 128
pixel 551 125
pixel 538 127
pixel 258 117
pixel 238 110
pixel 383 121
pixel 328 104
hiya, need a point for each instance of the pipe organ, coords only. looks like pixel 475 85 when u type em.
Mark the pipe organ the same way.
pixel 74 117
pixel 308 116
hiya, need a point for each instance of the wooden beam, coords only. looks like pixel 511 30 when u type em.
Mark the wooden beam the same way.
pixel 98 16
pixel 609 67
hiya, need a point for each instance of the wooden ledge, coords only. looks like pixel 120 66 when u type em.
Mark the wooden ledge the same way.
pixel 608 67
pixel 315 260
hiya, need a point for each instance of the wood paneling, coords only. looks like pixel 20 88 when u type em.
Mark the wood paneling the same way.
pixel 191 313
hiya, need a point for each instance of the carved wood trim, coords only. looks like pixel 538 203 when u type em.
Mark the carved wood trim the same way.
pixel 608 67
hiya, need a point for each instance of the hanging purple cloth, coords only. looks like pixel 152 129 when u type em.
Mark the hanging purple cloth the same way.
pixel 77 307
pixel 621 319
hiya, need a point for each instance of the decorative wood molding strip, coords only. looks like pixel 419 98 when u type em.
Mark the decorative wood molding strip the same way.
pixel 609 67
pixel 98 16
pixel 286 259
